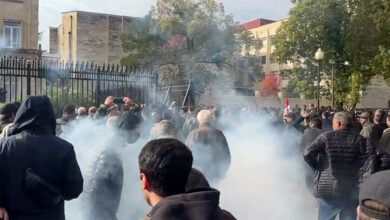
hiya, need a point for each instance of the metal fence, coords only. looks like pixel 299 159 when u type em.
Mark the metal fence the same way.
pixel 77 83
pixel 183 92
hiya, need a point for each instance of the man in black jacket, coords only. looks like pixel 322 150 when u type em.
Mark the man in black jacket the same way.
pixel 35 150
pixel 326 121
pixel 103 188
pixel 165 165
pixel 309 135
pixel 339 158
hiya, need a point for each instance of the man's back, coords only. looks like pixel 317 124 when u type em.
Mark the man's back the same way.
pixel 52 159
pixel 341 155
pixel 102 192
pixel 327 124
pixel 34 163
pixel 211 151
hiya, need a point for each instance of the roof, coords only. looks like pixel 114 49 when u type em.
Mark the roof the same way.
pixel 96 13
pixel 256 23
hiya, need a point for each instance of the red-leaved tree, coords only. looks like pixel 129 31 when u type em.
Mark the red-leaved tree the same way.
pixel 270 85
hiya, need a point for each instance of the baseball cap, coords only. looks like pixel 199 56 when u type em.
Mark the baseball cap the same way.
pixel 364 115
pixel 376 188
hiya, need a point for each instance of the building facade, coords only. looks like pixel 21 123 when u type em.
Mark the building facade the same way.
pixel 19 25
pixel 265 30
pixel 88 36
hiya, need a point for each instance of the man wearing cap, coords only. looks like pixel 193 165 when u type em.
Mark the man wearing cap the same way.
pixel 7 114
pixel 365 120
pixel 374 197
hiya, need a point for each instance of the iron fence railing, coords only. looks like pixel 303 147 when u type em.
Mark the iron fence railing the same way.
pixel 78 83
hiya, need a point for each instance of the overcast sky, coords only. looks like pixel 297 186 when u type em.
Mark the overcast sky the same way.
pixel 243 10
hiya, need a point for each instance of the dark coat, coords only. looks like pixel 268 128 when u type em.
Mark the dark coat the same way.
pixel 340 159
pixel 380 128
pixel 356 127
pixel 309 135
pixel 52 158
pixel 384 142
pixel 377 132
pixel 327 124
pixel 383 152
pixel 210 150
pixel 102 192
pixel 197 205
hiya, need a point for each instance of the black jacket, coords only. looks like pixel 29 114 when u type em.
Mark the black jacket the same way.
pixel 377 132
pixel 309 135
pixel 202 204
pixel 52 158
pixel 340 159
pixel 103 189
pixel 327 124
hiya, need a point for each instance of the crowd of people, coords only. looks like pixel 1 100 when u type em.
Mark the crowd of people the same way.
pixel 187 156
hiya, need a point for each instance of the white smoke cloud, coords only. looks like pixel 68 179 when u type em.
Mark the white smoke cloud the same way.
pixel 265 180
pixel 89 138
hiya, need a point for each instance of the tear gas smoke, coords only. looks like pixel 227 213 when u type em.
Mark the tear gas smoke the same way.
pixel 88 138
pixel 265 179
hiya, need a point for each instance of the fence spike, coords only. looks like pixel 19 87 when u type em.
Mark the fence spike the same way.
pixel 76 68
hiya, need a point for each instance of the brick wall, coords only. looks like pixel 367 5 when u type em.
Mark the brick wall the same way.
pixel 95 37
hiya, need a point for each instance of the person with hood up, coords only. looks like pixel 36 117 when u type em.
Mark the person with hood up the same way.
pixel 165 167
pixel 38 170
pixel 103 189
pixel 210 148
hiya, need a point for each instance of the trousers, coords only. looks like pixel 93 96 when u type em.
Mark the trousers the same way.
pixel 329 208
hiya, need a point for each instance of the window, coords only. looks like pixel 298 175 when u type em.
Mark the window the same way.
pixel 12 34
pixel 263 60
